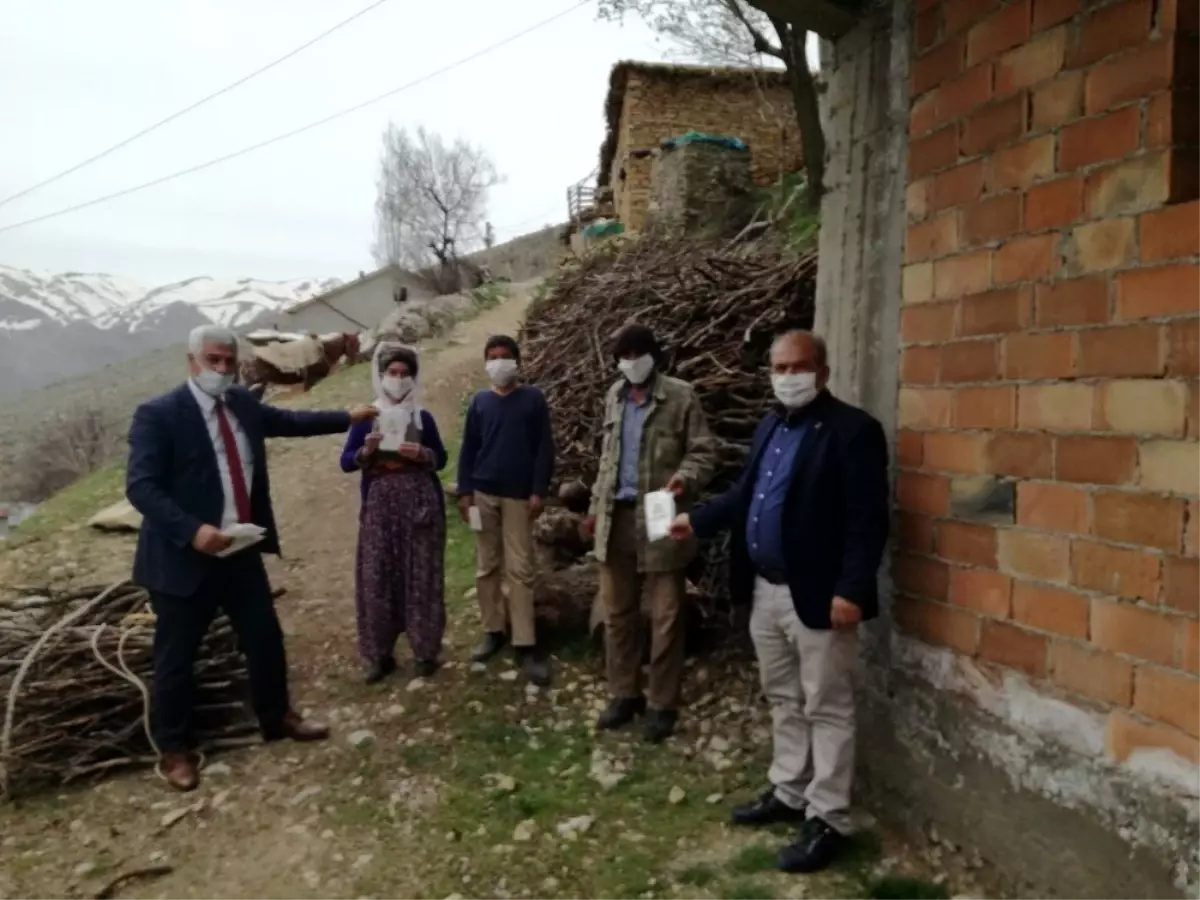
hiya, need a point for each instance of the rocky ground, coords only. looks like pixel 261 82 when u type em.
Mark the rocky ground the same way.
pixel 468 784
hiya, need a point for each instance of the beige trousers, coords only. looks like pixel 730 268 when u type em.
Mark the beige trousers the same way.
pixel 504 549
pixel 621 588
pixel 808 678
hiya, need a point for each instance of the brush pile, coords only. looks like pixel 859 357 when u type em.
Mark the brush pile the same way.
pixel 714 307
pixel 75 669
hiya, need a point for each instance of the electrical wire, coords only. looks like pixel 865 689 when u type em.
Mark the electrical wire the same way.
pixel 187 109
pixel 297 131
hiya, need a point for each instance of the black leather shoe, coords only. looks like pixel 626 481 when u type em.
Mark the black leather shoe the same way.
pixel 535 667
pixel 766 810
pixel 660 725
pixel 621 711
pixel 380 670
pixel 493 642
pixel 425 668
pixel 814 849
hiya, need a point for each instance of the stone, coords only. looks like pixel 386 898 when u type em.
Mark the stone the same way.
pixel 361 737
pixel 218 770
pixel 712 799
pixel 509 675
pixel 417 684
pixel 525 831
pixel 305 795
pixel 85 868
pixel 394 711
pixel 573 827
pixel 677 795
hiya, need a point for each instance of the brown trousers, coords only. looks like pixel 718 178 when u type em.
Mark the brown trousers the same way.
pixel 504 548
pixel 621 588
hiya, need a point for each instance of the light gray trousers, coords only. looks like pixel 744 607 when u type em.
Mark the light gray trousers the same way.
pixel 808 678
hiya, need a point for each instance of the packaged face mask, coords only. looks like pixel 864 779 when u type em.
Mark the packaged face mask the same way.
pixel 474 519
pixel 660 513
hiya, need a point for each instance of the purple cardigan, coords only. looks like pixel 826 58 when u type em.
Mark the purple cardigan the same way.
pixel 430 439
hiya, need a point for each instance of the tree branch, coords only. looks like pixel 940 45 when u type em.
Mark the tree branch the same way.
pixel 761 44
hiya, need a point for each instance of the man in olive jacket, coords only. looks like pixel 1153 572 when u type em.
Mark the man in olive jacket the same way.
pixel 655 438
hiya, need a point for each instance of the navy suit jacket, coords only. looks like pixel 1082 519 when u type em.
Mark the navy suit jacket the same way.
pixel 835 520
pixel 174 482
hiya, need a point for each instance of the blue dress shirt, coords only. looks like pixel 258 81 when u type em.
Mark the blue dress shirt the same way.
pixel 764 525
pixel 633 419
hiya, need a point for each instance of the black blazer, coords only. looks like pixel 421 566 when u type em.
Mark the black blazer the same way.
pixel 835 522
pixel 174 482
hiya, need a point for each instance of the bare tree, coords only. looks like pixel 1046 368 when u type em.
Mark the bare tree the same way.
pixel 737 32
pixel 62 449
pixel 432 200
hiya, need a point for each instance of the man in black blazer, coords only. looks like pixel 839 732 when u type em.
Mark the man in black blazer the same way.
pixel 197 465
pixel 809 520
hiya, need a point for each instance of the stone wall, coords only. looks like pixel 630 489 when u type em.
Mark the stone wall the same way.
pixel 529 256
pixel 699 187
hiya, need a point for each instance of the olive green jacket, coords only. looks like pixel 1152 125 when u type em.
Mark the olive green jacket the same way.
pixel 675 441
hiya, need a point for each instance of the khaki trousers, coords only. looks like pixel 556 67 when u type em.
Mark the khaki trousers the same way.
pixel 808 678
pixel 504 549
pixel 621 593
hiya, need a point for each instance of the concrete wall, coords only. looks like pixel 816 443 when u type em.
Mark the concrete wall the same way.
pixel 365 302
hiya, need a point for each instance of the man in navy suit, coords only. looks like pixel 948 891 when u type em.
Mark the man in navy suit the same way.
pixel 197 465
pixel 809 520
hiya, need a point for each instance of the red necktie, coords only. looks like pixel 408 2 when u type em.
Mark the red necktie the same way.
pixel 237 476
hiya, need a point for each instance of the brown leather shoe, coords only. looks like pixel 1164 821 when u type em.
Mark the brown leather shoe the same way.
pixel 179 771
pixel 298 729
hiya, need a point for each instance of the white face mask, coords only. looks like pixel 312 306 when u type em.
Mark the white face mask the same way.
pixel 795 391
pixel 501 371
pixel 637 370
pixel 397 386
pixel 213 383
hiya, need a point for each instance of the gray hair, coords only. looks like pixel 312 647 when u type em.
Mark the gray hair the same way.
pixel 210 334
pixel 818 343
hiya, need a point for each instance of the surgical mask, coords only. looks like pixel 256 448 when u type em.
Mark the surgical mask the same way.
pixel 637 370
pixel 397 386
pixel 794 391
pixel 215 384
pixel 501 371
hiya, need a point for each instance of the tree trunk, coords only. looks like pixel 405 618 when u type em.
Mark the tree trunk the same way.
pixel 808 112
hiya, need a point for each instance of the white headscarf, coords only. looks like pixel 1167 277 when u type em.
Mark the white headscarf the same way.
pixel 382 401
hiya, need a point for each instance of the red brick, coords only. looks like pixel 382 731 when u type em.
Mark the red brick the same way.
pixel 1020 165
pixel 1102 138
pixel 925 407
pixel 966 542
pixel 970 361
pixel 1171 232
pixel 1003 31
pixel 929 494
pixel 916 199
pixel 910 448
pixel 1034 554
pixel 1160 291
pixel 919 365
pixel 1101 246
pixel 982 590
pixel 1129 350
pixel 1191 646
pixel 936 624
pixel 995 312
pixel 937 66
pixel 955 451
pixel 927 28
pixel 1050 609
pixel 1026 259
pixel 1181 584
pixel 1183 348
pixel 1134 631
pixel 1053 507
pixel 1126 735
pixel 1054 204
pixel 956 186
pixel 962 275
pixel 1191 539
pixel 1145 519
pixel 933 152
pixel 1113 28
pixel 993 126
pixel 931 238
pixel 990 219
pixel 1168 697
pixel 1079 301
pixel 960 95
pixel 1084 671
pixel 1130 76
pixel 962 14
pixel 1060 406
pixel 1058 101
pixel 1014 648
pixel 1023 454
pixel 927 322
pixel 1132 185
pixel 1032 63
pixel 1135 574
pixel 1193 410
pixel 1160 120
pixel 924 113
pixel 1050 12
pixel 1096 460
pixel 1144 406
pixel 1047 354
pixel 914 532
pixel 985 407
pixel 922 576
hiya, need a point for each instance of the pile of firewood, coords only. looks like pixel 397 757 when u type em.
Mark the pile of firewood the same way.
pixel 714 307
pixel 75 671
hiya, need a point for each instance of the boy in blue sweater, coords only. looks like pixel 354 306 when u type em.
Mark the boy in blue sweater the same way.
pixel 504 472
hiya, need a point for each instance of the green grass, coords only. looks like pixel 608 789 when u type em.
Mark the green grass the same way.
pixel 893 887
pixel 72 505
pixel 755 858
pixel 748 890
pixel 697 876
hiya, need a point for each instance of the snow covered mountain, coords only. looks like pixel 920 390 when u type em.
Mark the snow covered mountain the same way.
pixel 54 325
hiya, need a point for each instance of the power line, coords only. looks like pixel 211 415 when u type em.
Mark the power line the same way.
pixel 187 109
pixel 298 131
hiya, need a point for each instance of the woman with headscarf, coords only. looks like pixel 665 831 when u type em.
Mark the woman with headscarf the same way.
pixel 402 523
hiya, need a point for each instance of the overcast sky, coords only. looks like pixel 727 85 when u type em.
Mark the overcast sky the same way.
pixel 80 75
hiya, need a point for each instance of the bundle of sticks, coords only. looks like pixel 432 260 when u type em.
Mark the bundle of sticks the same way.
pixel 75 670
pixel 714 307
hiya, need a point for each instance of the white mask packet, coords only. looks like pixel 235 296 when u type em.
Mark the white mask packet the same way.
pixel 660 514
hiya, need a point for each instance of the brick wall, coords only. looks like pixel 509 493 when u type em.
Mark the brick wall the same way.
pixel 658 106
pixel 1047 447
